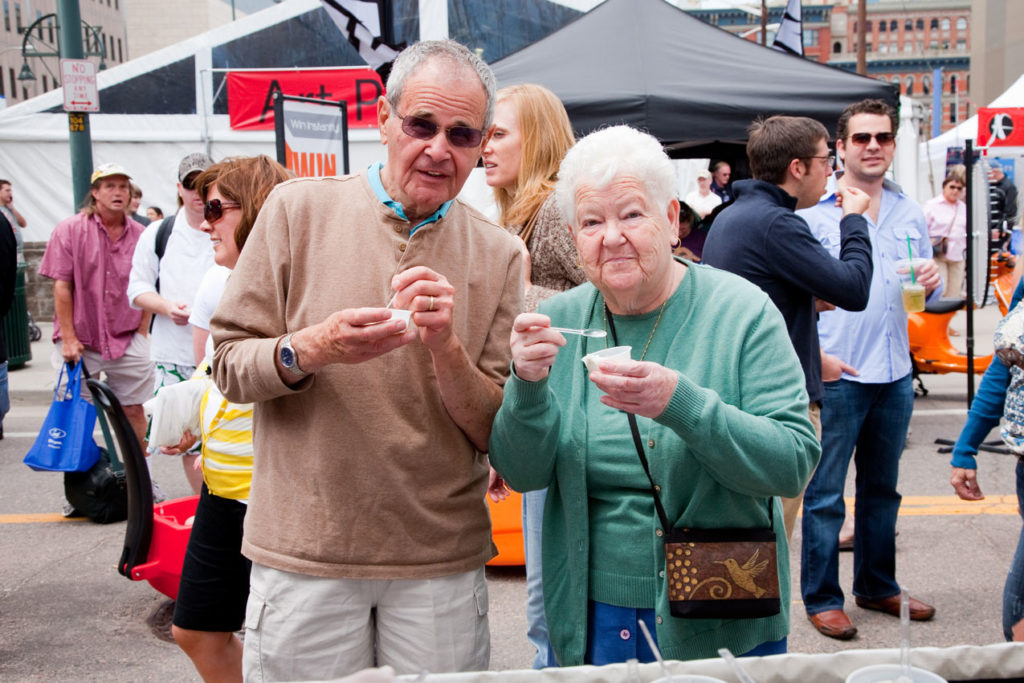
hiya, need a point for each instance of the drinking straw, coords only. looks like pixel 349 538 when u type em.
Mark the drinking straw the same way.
pixel 910 253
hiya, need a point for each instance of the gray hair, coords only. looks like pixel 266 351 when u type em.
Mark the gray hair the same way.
pixel 608 155
pixel 418 54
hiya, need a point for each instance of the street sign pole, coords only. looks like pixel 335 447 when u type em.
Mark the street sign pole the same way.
pixel 79 138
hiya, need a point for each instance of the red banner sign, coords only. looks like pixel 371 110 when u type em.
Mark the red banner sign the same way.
pixel 1001 127
pixel 251 94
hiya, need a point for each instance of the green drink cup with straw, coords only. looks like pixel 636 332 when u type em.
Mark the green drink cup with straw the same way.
pixel 913 292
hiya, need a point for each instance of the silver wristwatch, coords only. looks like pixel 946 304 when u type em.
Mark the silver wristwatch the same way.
pixel 290 359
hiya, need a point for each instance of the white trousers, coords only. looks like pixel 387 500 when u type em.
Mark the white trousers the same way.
pixel 300 627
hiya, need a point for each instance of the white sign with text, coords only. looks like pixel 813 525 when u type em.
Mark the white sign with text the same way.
pixel 80 90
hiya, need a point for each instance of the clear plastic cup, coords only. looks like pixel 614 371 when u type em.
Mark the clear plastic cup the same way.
pixel 913 293
pixel 614 353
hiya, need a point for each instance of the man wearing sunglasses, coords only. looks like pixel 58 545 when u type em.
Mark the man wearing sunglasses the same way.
pixel 367 523
pixel 868 392
pixel 761 238
pixel 169 263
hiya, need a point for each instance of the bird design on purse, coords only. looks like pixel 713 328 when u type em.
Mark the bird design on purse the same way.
pixel 743 576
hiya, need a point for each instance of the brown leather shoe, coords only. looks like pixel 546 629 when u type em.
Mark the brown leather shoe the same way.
pixel 919 611
pixel 833 623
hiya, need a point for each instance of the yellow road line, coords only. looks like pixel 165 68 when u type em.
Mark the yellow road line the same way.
pixel 33 518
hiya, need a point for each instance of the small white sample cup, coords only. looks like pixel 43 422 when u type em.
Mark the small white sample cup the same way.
pixel 614 353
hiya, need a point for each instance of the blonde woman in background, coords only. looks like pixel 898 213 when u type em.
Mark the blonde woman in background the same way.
pixel 531 134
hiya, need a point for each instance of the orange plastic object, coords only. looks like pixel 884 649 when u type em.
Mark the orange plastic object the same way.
pixel 172 525
pixel 507 530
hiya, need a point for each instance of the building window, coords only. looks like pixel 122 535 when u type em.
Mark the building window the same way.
pixel 46 86
pixel 933 44
pixel 7 16
pixel 945 24
pixel 3 91
pixel 920 24
pixel 909 81
pixel 952 84
pixel 926 85
pixel 945 45
pixel 908 47
pixel 120 55
pixel 909 25
pixel 961 45
pixel 837 48
pixel 961 24
pixel 934 23
pixel 882 26
pixel 14 84
pixel 17 17
pixel 867 26
pixel 894 25
pixel 883 48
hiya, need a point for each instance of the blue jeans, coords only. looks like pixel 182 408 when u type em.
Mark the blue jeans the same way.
pixel 873 419
pixel 613 636
pixel 1013 592
pixel 536 624
pixel 5 398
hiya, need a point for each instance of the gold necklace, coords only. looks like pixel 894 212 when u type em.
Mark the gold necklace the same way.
pixel 653 329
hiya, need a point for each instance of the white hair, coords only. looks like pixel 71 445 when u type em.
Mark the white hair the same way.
pixel 608 155
pixel 418 54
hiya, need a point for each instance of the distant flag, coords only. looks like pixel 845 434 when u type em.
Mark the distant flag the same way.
pixel 789 37
pixel 360 21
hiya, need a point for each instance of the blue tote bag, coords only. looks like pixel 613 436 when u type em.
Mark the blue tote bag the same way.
pixel 65 441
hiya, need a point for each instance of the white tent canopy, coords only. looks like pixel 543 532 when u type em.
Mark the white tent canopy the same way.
pixel 932 153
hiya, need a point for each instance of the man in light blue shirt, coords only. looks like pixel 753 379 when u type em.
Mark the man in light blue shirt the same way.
pixel 868 392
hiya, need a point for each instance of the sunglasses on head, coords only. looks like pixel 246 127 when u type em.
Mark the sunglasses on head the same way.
pixel 884 139
pixel 425 129
pixel 214 209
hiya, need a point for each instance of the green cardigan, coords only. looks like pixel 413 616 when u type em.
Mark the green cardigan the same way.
pixel 735 432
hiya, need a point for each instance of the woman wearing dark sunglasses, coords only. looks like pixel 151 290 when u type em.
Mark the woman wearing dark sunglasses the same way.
pixel 946 215
pixel 215 577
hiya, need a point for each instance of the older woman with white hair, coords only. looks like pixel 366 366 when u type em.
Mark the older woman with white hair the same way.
pixel 700 427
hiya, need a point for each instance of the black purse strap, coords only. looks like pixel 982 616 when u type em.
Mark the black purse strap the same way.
pixel 638 442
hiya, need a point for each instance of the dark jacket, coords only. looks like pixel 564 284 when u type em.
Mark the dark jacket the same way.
pixel 8 271
pixel 761 238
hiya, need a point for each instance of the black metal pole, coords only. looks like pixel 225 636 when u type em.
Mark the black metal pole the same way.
pixel 969 256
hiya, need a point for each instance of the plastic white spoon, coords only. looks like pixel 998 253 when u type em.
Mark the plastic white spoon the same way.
pixel 590 332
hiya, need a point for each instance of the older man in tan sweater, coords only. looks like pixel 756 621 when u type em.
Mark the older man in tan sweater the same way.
pixel 367 524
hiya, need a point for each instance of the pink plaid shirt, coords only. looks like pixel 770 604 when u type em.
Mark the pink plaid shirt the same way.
pixel 80 252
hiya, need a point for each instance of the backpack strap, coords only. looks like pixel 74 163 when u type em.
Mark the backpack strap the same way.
pixel 163 233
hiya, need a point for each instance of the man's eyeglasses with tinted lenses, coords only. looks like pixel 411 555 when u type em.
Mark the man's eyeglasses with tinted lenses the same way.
pixel 425 129
pixel 884 139
pixel 214 209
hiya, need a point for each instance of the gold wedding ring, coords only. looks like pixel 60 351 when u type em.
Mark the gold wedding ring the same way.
pixel 431 304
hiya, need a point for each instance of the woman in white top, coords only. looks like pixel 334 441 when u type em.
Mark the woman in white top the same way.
pixel 946 216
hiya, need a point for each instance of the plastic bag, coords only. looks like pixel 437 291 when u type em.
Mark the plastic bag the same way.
pixel 175 410
pixel 65 441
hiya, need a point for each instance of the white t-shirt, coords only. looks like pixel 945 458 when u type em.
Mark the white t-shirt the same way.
pixel 210 291
pixel 189 254
pixel 703 205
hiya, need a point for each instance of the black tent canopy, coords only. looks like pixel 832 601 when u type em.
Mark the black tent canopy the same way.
pixel 649 64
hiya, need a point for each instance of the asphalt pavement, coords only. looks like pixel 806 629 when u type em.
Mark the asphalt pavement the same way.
pixel 67 615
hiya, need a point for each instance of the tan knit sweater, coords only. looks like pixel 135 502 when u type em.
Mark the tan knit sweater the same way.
pixel 359 470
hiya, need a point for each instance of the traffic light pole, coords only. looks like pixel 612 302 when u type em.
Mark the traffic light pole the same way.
pixel 79 137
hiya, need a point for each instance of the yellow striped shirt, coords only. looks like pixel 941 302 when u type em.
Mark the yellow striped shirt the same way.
pixel 227 445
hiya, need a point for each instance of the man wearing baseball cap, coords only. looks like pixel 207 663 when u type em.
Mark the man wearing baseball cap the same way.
pixel 89 258
pixel 703 200
pixel 169 263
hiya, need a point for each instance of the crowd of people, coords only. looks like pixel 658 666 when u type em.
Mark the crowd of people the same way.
pixel 374 357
